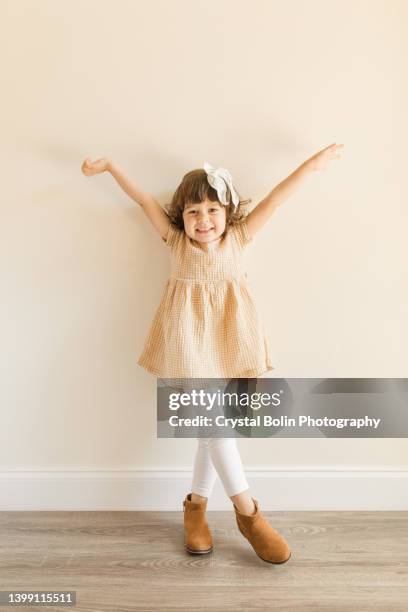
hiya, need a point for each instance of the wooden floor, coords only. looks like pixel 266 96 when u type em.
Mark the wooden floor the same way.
pixel 123 561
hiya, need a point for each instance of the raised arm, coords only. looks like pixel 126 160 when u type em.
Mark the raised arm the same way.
pixel 155 213
pixel 279 194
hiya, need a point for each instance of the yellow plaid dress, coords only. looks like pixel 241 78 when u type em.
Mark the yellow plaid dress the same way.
pixel 206 324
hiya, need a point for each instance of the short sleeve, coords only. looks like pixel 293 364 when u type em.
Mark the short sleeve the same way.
pixel 241 233
pixel 173 236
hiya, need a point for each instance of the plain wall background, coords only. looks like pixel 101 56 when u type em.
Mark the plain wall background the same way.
pixel 160 87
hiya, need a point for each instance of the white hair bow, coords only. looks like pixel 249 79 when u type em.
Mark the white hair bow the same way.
pixel 220 179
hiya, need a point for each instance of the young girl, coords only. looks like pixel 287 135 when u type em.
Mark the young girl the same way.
pixel 207 326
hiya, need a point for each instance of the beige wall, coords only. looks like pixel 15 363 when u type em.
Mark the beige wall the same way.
pixel 160 87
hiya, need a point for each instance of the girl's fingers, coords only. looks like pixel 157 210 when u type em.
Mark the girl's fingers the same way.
pixel 328 149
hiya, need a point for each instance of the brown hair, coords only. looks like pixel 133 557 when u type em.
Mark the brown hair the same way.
pixel 195 188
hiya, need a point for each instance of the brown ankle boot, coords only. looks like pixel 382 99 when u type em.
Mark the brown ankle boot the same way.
pixel 266 542
pixel 197 536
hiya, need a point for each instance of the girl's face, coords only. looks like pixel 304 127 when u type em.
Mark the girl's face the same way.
pixel 204 222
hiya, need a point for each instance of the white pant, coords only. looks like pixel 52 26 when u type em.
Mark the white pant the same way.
pixel 218 456
pixel 215 455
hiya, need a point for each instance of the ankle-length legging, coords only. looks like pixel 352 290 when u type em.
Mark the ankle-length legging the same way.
pixel 218 456
pixel 215 455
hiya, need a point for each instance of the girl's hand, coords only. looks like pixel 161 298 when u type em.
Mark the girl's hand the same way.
pixel 90 168
pixel 320 160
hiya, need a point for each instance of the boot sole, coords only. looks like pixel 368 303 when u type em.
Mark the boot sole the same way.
pixel 274 562
pixel 199 552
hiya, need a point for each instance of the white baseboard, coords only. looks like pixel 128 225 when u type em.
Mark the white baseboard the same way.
pixel 163 490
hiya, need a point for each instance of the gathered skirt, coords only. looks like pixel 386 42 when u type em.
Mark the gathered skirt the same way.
pixel 205 329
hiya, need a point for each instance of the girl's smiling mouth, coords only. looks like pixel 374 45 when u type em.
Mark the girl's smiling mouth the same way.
pixel 209 229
